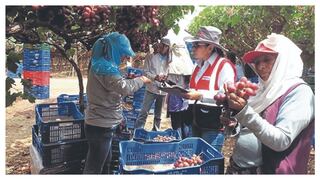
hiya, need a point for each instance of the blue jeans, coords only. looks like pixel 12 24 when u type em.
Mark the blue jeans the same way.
pixel 213 137
pixel 100 153
pixel 148 100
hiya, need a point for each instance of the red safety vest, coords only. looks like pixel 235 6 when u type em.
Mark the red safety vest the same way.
pixel 204 83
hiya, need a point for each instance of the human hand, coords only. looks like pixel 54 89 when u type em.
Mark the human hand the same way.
pixel 236 95
pixel 193 95
pixel 228 121
pixel 145 79
pixel 161 77
pixel 235 101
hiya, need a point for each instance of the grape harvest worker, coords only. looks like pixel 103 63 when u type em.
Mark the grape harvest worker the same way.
pixel 105 88
pixel 180 70
pixel 155 68
pixel 208 77
pixel 277 124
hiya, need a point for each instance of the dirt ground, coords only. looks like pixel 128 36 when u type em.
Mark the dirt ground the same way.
pixel 20 118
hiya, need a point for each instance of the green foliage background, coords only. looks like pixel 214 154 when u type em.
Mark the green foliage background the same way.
pixel 244 26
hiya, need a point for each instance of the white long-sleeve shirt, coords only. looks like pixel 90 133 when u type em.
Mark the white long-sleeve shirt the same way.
pixel 294 115
pixel 155 65
pixel 226 75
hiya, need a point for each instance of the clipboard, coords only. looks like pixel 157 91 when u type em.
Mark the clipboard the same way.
pixel 175 90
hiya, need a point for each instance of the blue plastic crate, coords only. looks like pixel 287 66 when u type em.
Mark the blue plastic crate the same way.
pixel 130 118
pixel 70 98
pixel 139 94
pixel 56 126
pixel 137 106
pixel 130 124
pixel 36 53
pixel 42 56
pixel 36 165
pixel 142 135
pixel 39 92
pixel 128 99
pixel 45 67
pixel 138 97
pixel 59 153
pixel 36 60
pixel 136 153
pixel 117 138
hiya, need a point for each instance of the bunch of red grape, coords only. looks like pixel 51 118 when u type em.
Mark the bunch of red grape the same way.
pixel 187 162
pixel 141 24
pixel 151 15
pixel 243 88
pixel 130 21
pixel 93 15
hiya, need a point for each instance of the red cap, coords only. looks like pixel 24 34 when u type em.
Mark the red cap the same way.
pixel 261 49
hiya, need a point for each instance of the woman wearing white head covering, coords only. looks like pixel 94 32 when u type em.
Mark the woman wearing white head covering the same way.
pixel 276 125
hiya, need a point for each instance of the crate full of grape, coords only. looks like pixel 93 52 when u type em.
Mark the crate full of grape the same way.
pixel 169 135
pixel 189 156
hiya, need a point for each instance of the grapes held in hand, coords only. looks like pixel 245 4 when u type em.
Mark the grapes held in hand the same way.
pixel 243 88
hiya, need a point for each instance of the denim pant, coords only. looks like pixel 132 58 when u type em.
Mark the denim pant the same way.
pixel 213 137
pixel 100 153
pixel 148 100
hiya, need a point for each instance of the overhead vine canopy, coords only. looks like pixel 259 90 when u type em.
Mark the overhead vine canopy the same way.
pixel 67 27
pixel 244 26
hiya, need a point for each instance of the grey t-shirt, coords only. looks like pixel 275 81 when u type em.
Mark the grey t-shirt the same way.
pixel 104 98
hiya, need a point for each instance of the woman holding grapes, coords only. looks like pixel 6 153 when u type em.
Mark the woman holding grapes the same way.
pixel 275 126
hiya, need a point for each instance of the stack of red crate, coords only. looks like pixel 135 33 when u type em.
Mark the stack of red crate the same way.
pixel 40 78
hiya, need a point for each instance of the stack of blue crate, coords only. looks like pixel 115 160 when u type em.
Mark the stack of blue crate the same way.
pixel 36 58
pixel 134 101
pixel 119 136
pixel 58 138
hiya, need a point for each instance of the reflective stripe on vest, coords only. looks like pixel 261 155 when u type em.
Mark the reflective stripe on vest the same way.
pixel 204 81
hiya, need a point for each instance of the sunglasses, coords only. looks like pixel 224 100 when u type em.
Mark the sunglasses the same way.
pixel 196 45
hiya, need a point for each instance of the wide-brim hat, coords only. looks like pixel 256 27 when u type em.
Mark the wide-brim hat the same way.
pixel 165 41
pixel 206 34
pixel 260 50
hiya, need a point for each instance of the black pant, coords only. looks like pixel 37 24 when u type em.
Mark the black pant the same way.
pixel 100 153
pixel 178 123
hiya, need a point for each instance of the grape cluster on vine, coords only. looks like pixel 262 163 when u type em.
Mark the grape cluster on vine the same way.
pixel 141 24
pixel 130 20
pixel 93 15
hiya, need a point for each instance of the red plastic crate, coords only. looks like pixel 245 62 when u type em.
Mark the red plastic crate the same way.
pixel 41 78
